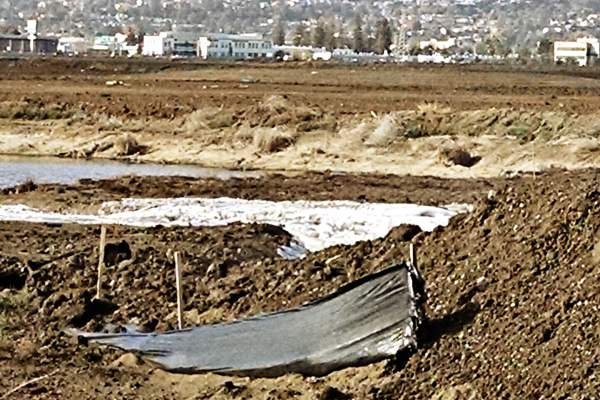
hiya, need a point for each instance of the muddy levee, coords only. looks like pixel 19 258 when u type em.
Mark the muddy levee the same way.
pixel 512 290
pixel 451 121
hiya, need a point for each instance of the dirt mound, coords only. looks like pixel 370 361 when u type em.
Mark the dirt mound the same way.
pixel 512 299
pixel 526 258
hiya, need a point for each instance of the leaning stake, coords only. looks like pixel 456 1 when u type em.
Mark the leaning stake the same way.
pixel 413 255
pixel 179 293
pixel 101 261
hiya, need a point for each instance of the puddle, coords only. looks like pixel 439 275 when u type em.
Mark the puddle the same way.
pixel 15 170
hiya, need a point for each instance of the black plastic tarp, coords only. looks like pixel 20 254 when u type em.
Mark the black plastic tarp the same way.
pixel 364 322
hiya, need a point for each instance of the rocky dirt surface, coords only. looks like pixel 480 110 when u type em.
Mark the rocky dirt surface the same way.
pixel 513 291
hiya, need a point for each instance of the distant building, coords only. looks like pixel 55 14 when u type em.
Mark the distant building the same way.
pixel 171 43
pixel 158 45
pixel 22 44
pixel 437 44
pixel 72 45
pixel 243 46
pixel 571 52
pixel 113 45
pixel 295 53
pixel 593 42
pixel 343 53
pixel 321 54
pixel 105 44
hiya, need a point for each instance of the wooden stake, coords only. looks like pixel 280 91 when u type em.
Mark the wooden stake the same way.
pixel 413 255
pixel 533 158
pixel 29 382
pixel 101 261
pixel 179 292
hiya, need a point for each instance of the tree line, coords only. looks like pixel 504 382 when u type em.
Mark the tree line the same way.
pixel 330 35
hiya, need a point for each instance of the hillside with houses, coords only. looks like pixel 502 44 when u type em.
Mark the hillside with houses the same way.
pixel 485 27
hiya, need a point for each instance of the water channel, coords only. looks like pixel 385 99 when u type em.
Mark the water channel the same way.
pixel 15 170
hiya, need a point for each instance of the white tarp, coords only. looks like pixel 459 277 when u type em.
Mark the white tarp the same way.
pixel 315 224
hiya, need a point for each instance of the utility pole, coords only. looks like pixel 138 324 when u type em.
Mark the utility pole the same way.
pixel 32 32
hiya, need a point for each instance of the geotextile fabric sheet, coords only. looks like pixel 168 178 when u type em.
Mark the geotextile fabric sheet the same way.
pixel 364 322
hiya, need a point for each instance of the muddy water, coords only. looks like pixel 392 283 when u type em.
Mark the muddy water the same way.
pixel 15 170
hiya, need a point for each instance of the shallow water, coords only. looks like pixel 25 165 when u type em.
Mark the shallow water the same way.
pixel 15 170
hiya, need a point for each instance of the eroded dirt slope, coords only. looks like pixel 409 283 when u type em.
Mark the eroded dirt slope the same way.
pixel 88 195
pixel 513 301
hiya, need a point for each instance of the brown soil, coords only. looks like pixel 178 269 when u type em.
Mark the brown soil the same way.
pixel 165 89
pixel 88 195
pixel 512 288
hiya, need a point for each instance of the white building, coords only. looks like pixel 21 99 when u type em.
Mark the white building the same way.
pixel 321 54
pixel 244 46
pixel 295 53
pixel 437 44
pixel 72 45
pixel 593 42
pixel 170 43
pixel 159 45
pixel 115 45
pixel 571 51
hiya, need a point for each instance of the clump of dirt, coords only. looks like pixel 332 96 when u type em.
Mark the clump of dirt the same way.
pixel 457 156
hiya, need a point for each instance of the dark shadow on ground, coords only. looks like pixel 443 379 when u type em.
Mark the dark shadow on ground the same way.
pixel 433 330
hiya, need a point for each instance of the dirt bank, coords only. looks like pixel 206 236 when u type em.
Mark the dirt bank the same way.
pixel 453 121
pixel 513 293
pixel 275 135
pixel 88 195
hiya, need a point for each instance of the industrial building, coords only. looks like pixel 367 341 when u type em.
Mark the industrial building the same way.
pixel 243 46
pixel 579 52
pixel 25 44
pixel 170 43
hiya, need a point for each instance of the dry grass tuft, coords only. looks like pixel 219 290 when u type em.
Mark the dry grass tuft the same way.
pixel 109 123
pixel 431 120
pixel 33 110
pixel 357 133
pixel 271 140
pixel 428 109
pixel 209 118
pixel 388 128
pixel 457 156
pixel 127 145
pixel 27 186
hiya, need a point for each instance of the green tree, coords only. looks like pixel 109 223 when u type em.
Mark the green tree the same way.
pixel 482 49
pixel 524 52
pixel 497 47
pixel 299 34
pixel 544 47
pixel 319 35
pixel 383 36
pixel 332 36
pixel 278 35
pixel 368 40
pixel 358 44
